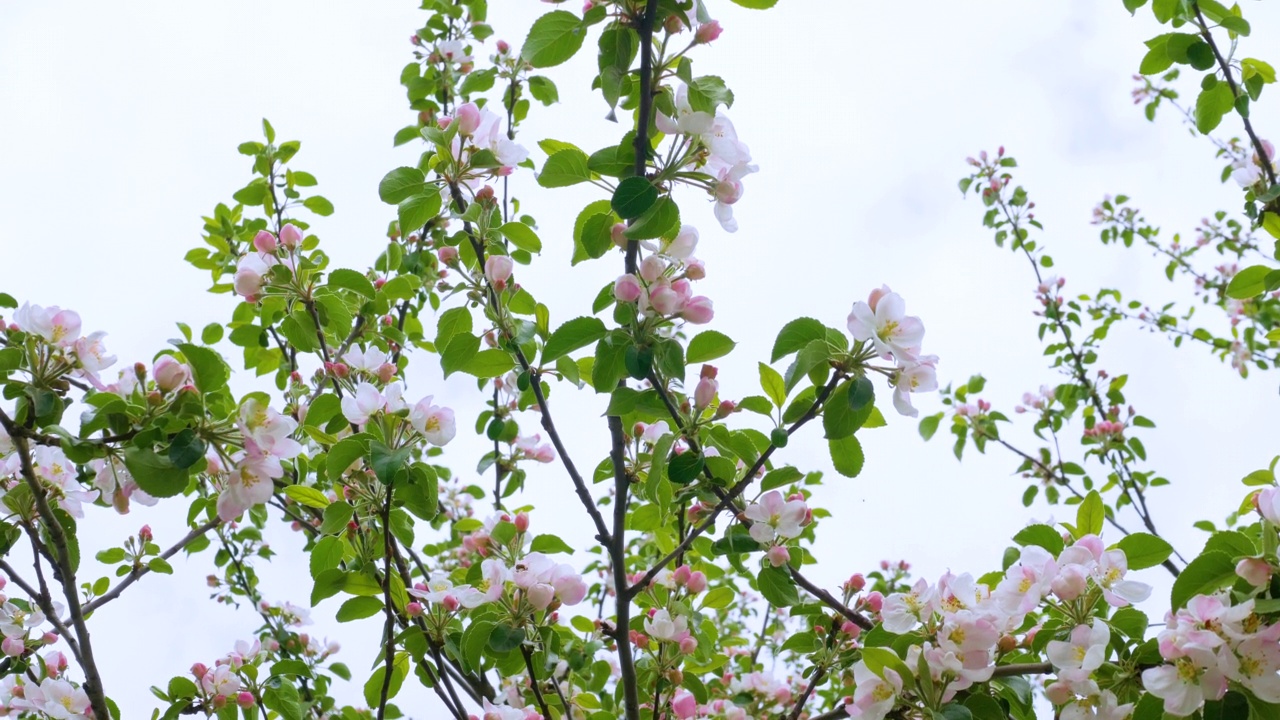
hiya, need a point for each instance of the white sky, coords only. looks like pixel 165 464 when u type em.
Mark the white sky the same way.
pixel 118 128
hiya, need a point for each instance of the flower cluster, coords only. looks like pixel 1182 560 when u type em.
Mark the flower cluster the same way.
pixel 483 128
pixel 435 424
pixel 662 288
pixel 83 355
pixel 1209 644
pixel 775 520
pixel 267 441
pixel 253 268
pixel 717 150
pixel 883 321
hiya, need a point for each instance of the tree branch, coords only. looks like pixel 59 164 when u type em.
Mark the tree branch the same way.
pixel 140 570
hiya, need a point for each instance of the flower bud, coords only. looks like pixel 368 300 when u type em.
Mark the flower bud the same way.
pixel 49 638
pixel 503 47
pixel 689 645
pixel 413 609
pixel 145 534
pixel 522 522
pixel 1007 643
pixel 170 374
pixel 681 575
pixel 13 647
pixel 698 310
pixel 245 699
pixel 386 371
pixel 468 118
pixel 1254 571
pixel 290 236
pixel 198 670
pixel 697 582
pixel 450 603
pixel 497 270
pixel 627 289
pixel 448 255
pixel 708 32
pixel 265 242
pixel 874 601
pixel 725 409
pixel 778 555
pixel 855 583
pixel 705 392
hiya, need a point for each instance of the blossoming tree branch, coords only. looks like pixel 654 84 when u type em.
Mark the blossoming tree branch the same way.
pixel 695 600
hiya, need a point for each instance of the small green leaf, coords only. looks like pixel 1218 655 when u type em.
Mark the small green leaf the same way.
pixel 415 211
pixel 633 197
pixel 353 281
pixel 308 496
pixel 1143 550
pixel 550 544
pixel 572 335
pixel 358 608
pixel 1090 515
pixel 772 384
pixel 777 587
pixel 1249 282
pixel 522 236
pixel 553 39
pixel 708 345
pixel 564 168
pixel 209 372
pixel 157 476
pixel 1202 576
pixel 846 455
pixel 401 184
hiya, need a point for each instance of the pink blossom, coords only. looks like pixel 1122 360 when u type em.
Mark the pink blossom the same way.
pixel 364 402
pixel 699 310
pixel 888 327
pixel 1268 502
pixel 497 269
pixel 57 326
pixel 434 422
pixel 915 374
pixel 468 118
pixel 684 705
pixel 683 244
pixel 1255 571
pixel 705 392
pixel 778 556
pixel 774 517
pixel 1086 649
pixel 170 374
pixel 627 289
pixel 265 242
pixel 290 236
pixel 250 276
pixel 708 32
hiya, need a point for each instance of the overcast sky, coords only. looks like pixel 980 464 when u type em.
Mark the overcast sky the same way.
pixel 118 129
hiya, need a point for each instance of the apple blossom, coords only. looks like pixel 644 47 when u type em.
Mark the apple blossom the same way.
pixel 1086 650
pixel 773 517
pixel 57 326
pixel 887 327
pixel 250 276
pixel 290 236
pixel 265 242
pixel 364 402
pixel 698 310
pixel 170 374
pixel 627 288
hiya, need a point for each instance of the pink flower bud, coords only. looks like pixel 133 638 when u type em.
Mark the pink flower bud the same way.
pixel 468 118
pixel 54 663
pixel 1255 571
pixel 497 270
pixel 681 575
pixel 450 603
pixel 198 670
pixel 616 234
pixel 170 374
pixel 13 647
pixel 49 638
pixel 874 601
pixel 386 371
pixel 522 522
pixel 697 582
pixel 688 645
pixel 245 699
pixel 652 268
pixel 850 629
pixel 698 310
pixel 778 556
pixel 290 236
pixel 627 288
pixel 684 705
pixel 725 409
pixel 443 122
pixel 448 255
pixel 876 294
pixel 705 393
pixel 503 47
pixel 708 32
pixel 413 609
pixel 855 583
pixel 664 300
pixel 145 534
pixel 265 242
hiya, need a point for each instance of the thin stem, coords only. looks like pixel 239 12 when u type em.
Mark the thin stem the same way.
pixel 818 674
pixel 389 656
pixel 139 571
pixel 533 681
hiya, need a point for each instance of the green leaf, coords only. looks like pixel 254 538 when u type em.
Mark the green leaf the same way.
pixel 564 168
pixel 574 334
pixel 522 236
pixel 929 425
pixel 1259 477
pixel 777 587
pixel 326 555
pixel 208 370
pixel 186 449
pixel 156 475
pixel 708 345
pixel 505 638
pixel 709 92
pixel 318 205
pixel 281 696
pixel 353 281
pixel 388 464
pixel 633 197
pixel 358 608
pixel 550 544
pixel 1041 535
pixel 553 39
pixel 682 469
pixel 489 363
pixel 414 212
pixel 1090 515
pixel 160 565
pixel 861 393
pixel 756 4
pixel 657 221
pixel 878 659
pixel 795 335
pixel 718 598
pixel 1143 550
pixel 336 517
pixel 1212 105
pixel 1249 282
pixel 772 384
pixel 846 455
pixel 461 349
pixel 401 184
pixel 345 452
pixel 1203 575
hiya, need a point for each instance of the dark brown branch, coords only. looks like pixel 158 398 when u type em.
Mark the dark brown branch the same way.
pixel 1263 159
pixel 389 639
pixel 804 697
pixel 533 681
